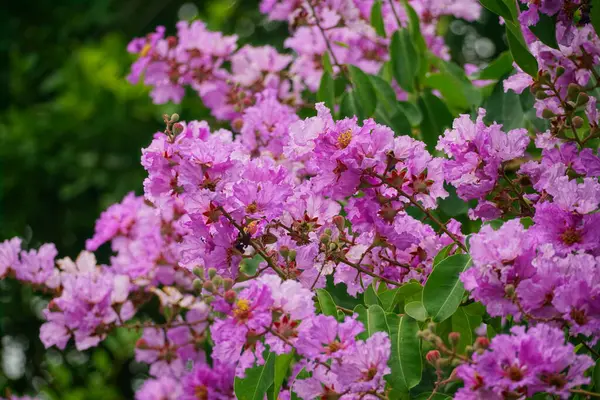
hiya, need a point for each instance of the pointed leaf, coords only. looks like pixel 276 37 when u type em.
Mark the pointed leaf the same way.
pixel 443 291
pixel 364 91
pixel 326 302
pixel 326 92
pixel 501 66
pixel 404 55
pixel 497 7
pixel 405 361
pixel 377 18
pixel 257 380
pixel 375 320
pixel 371 297
pixel 327 63
pixel 545 30
pixel 416 310
pixel 436 118
pixel 282 365
pixel 521 54
pixel 461 324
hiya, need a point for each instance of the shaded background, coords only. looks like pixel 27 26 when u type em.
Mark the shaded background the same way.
pixel 71 130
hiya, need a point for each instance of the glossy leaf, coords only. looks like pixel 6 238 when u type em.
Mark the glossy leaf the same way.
pixel 257 380
pixel 416 310
pixel 364 91
pixel 497 7
pixel 436 118
pixel 326 92
pixel 520 53
pixel 282 365
pixel 375 320
pixel 442 254
pixel 461 324
pixel 595 16
pixel 498 68
pixel 361 312
pixel 326 303
pixel 443 291
pixel 412 112
pixel 349 106
pixel 545 30
pixel 327 67
pixel 371 297
pixel 404 59
pixel 408 291
pixel 449 87
pixel 405 360
pixel 377 18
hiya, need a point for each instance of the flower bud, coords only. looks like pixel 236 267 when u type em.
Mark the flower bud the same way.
pixel 177 128
pixel 217 280
pixel 541 95
pixel 174 117
pixel 432 356
pixel 545 77
pixel 208 286
pixel 324 238
pixel 340 222
pixel 212 272
pixel 284 251
pixel 197 283
pixel 292 255
pixel 198 271
pixel 582 99
pixel 230 296
pixel 577 122
pixel 228 283
pixel 573 90
pixel 482 343
pixel 454 338
pixel 547 113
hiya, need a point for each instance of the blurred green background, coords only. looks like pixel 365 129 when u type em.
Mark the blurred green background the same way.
pixel 71 130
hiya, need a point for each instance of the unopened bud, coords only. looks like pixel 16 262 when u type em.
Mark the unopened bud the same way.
pixel 199 272
pixel 577 122
pixel 208 286
pixel 545 77
pixel 482 343
pixel 431 326
pixel 547 113
pixel 454 338
pixel 328 232
pixel 177 128
pixel 340 222
pixel 324 238
pixel 441 363
pixel 509 290
pixel 237 124
pixel 573 90
pixel 284 251
pixel 582 99
pixel 227 283
pixel 432 356
pixel 230 296
pixel 197 283
pixel 217 280
pixel 541 95
pixel 292 255
pixel 212 272
pixel 174 117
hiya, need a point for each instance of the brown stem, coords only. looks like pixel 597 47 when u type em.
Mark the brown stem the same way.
pixel 585 393
pixel 365 271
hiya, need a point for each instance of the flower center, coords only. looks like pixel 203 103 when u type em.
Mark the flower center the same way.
pixel 242 309
pixel 515 373
pixel 571 236
pixel 201 392
pixel 579 317
pixel 344 139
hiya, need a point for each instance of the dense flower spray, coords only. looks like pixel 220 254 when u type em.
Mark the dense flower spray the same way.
pixel 315 257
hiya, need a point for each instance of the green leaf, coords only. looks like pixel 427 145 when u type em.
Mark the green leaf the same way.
pixel 527 222
pixel 443 291
pixel 361 311
pixel 405 361
pixel 401 295
pixel 375 320
pixel 415 28
pixel 501 66
pixel 416 310
pixel 404 59
pixel 545 30
pixel 449 87
pixel 326 92
pixel 349 106
pixel 326 302
pixel 371 297
pixel 520 53
pixel 434 396
pixel 461 324
pixel 282 365
pixel 497 7
pixel 365 93
pixel 443 254
pixel 476 309
pixel 595 16
pixel 377 18
pixel 504 108
pixel 257 380
pixel 412 112
pixel 596 377
pixel 436 118
pixel 386 96
pixel 327 63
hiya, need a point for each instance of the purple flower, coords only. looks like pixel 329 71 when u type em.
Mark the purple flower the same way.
pixel 322 337
pixel 204 382
pixel 9 255
pixel 162 388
